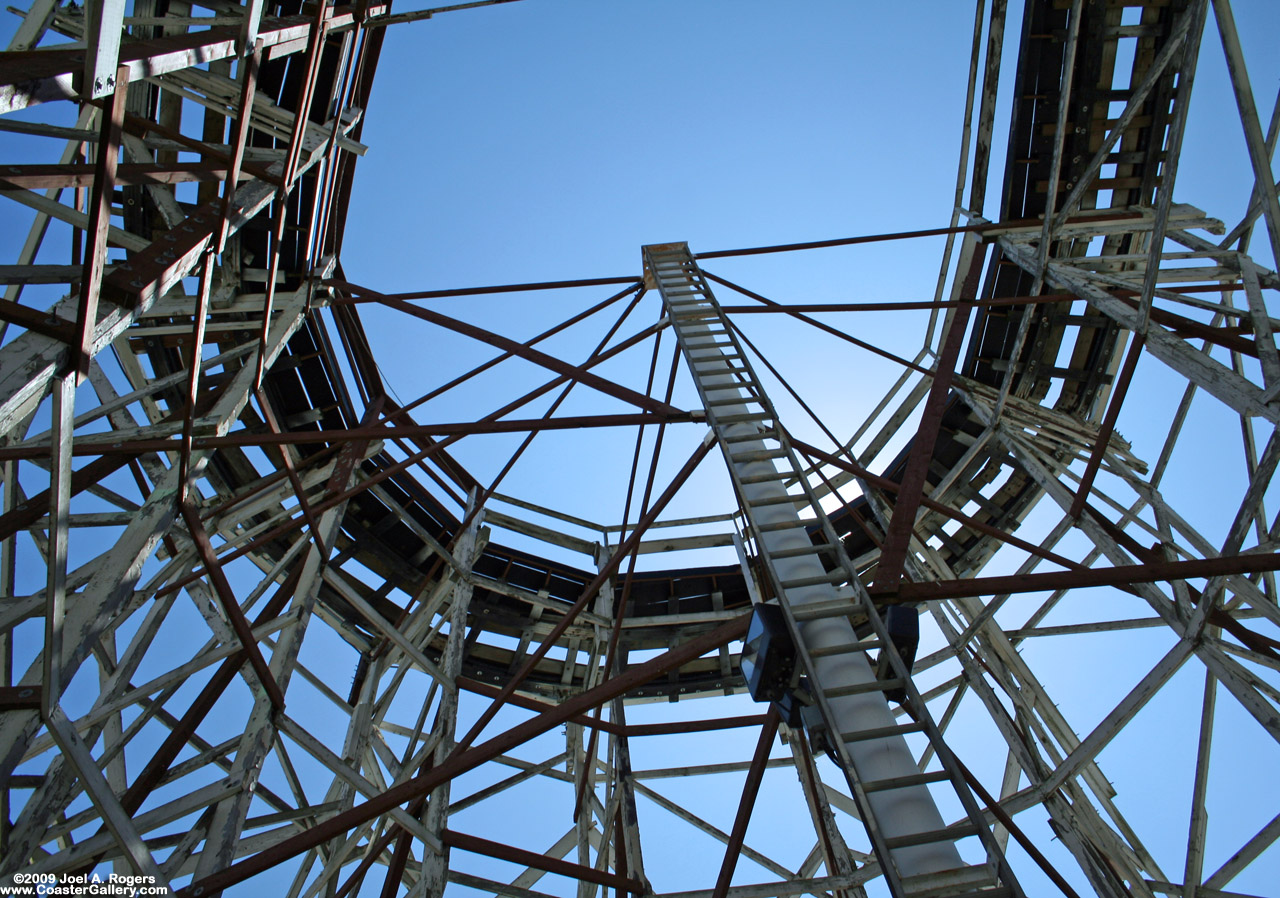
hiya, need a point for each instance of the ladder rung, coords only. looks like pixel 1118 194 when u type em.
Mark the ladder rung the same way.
pixel 701 363
pixel 827 608
pixel 949 834
pixel 869 645
pixel 901 782
pixel 744 437
pixel 759 435
pixel 780 525
pixel 862 688
pixel 778 500
pixel 765 478
pixel 831 578
pixel 746 416
pixel 738 400
pixel 810 549
pixel 758 455
pixel 881 732
pixel 979 879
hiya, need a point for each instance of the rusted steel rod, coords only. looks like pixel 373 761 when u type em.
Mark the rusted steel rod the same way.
pixel 477 845
pixel 891 486
pixel 1118 394
pixel 158 764
pixel 35 507
pixel 620 599
pixel 993 805
pixel 1118 576
pixel 903 306
pixel 588 592
pixel 550 332
pixel 231 607
pixel 95 253
pixel 387 472
pixel 991 228
pixel 477 291
pixel 240 136
pixel 298 438
pixel 130 174
pixel 286 461
pixel 919 369
pixel 550 362
pixel 532 704
pixel 902 525
pixel 755 775
pixel 466 760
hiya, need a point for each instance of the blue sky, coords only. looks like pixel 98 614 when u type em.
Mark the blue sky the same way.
pixel 553 140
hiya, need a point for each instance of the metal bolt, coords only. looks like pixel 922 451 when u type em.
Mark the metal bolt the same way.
pixel 97 84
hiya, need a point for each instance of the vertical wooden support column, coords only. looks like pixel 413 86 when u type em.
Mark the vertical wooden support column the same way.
pixel 8 561
pixel 629 855
pixel 64 394
pixel 104 26
pixel 95 256
pixel 435 868
pixel 835 853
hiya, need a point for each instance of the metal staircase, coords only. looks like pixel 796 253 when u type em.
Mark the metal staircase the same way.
pixel 916 850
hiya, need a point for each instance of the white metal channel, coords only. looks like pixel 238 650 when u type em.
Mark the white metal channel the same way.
pixel 740 414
